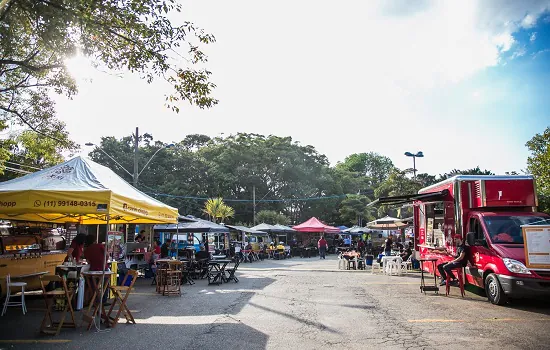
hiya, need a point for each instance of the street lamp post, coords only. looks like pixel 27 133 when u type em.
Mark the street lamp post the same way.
pixel 136 173
pixel 418 154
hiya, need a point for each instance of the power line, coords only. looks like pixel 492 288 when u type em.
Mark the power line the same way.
pixel 23 165
pixel 250 200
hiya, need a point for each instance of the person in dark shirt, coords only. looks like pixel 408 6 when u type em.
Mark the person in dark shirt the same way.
pixel 406 253
pixel 77 246
pixel 202 254
pixel 95 254
pixel 165 249
pixel 460 260
pixel 387 246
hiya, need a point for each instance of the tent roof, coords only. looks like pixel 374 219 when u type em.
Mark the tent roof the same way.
pixel 357 230
pixel 198 226
pixel 342 228
pixel 386 223
pixel 314 225
pixel 285 228
pixel 245 229
pixel 80 190
pixel 266 228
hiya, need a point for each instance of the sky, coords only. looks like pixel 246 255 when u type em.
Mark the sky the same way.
pixel 465 82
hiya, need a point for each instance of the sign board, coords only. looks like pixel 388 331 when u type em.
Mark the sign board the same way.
pixel 537 246
pixel 114 240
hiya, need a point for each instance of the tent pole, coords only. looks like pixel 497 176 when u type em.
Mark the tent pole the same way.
pixel 98 327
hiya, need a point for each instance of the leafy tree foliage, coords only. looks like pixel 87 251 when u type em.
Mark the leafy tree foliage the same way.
pixel 216 209
pixel 272 217
pixel 538 164
pixel 372 165
pixel 37 36
pixel 353 210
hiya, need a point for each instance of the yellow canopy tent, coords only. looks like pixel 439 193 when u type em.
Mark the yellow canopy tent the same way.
pixel 81 191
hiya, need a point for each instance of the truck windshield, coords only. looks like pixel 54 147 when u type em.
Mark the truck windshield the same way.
pixel 507 229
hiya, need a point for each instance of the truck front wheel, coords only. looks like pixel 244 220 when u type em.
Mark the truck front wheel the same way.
pixel 494 291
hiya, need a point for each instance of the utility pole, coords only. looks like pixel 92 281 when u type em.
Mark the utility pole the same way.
pixel 136 150
pixel 254 203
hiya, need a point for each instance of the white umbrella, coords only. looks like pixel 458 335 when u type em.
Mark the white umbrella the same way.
pixel 386 223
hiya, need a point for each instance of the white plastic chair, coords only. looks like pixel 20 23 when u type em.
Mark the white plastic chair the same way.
pixel 7 302
pixel 406 265
pixel 375 264
pixel 393 266
pixel 341 262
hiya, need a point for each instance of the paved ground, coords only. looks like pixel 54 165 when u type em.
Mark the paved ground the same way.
pixel 301 304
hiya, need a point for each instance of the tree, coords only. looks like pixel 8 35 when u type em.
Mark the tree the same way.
pixel 372 165
pixel 538 164
pixel 36 36
pixel 473 171
pixel 215 208
pixel 272 217
pixel 353 210
pixel 396 184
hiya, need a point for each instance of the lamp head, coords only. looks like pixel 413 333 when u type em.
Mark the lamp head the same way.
pixel 170 146
pixel 89 144
pixel 408 154
pixel 420 154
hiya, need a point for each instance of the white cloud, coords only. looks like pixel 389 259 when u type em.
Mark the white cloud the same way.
pixel 533 37
pixel 314 69
pixel 528 21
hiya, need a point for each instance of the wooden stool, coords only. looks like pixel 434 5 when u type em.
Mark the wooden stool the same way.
pixel 48 326
pixel 458 272
pixel 121 299
pixel 174 276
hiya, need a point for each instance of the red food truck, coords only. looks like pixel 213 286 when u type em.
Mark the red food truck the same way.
pixel 488 213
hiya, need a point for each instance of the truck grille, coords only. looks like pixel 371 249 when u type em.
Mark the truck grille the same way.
pixel 543 274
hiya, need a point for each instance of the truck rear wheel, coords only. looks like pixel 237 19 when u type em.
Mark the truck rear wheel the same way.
pixel 494 291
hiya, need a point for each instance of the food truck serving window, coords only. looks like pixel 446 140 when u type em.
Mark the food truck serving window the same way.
pixel 434 221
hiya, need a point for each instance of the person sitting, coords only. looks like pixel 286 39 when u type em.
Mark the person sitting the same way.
pixel 202 254
pixel 165 249
pixel 406 253
pixel 460 260
pixel 361 246
pixel 248 254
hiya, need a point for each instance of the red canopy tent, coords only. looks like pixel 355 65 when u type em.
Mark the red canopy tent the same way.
pixel 314 225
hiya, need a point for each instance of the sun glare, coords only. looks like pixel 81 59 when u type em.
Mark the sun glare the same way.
pixel 80 67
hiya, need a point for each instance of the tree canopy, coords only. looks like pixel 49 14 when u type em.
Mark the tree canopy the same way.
pixel 292 181
pixel 38 36
pixel 538 164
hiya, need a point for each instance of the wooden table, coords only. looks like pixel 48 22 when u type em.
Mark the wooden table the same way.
pixel 216 271
pixel 423 286
pixel 93 284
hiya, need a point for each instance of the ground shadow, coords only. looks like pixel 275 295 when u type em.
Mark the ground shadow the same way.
pixel 207 303
pixel 317 325
pixel 215 336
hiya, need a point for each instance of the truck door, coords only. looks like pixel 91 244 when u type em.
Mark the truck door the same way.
pixel 479 253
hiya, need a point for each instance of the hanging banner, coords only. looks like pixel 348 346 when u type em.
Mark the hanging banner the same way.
pixel 537 246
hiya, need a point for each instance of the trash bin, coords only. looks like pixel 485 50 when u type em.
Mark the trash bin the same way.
pixel 369 259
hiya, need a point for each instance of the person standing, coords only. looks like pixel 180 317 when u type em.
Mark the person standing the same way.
pixel 387 246
pixel 322 245
pixel 77 246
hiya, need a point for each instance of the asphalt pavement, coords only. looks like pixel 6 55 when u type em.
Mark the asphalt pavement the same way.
pixel 299 304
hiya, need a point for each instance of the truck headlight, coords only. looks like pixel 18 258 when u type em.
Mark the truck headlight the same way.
pixel 516 266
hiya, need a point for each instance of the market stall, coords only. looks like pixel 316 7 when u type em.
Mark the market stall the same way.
pixel 76 191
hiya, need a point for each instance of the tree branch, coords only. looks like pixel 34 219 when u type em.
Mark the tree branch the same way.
pixel 22 118
pixel 29 66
